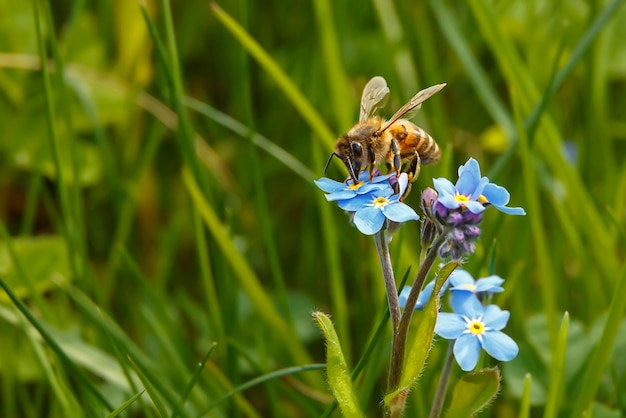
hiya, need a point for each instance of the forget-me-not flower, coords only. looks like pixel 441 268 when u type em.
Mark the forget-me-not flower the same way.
pixel 372 209
pixel 462 281
pixel 474 327
pixel 473 192
pixel 347 190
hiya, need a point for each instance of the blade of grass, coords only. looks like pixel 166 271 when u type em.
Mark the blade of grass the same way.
pixel 67 362
pixel 533 204
pixel 194 379
pixel 257 139
pixel 557 368
pixel 476 74
pixel 602 354
pixel 339 299
pixel 247 277
pixel 71 227
pixel 264 378
pixel 125 405
pixel 524 409
pixel 291 91
pixel 260 195
pixel 335 73
pixel 401 54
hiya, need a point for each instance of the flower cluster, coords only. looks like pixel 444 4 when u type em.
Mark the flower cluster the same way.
pixel 459 208
pixel 471 324
pixel 372 203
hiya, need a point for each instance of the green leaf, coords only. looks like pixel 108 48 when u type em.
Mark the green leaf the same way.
pixel 422 338
pixel 474 392
pixel 337 369
pixel 41 259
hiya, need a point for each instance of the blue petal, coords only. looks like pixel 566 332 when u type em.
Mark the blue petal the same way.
pixel 444 186
pixel 460 277
pixel 466 351
pixel 490 284
pixel 369 187
pixel 341 195
pixel 449 201
pixel 500 346
pixel 470 166
pixel 329 186
pixel 473 206
pixel 399 212
pixel 496 195
pixel 424 295
pixel 465 303
pixel 356 203
pixel 450 326
pixel 480 187
pixel 403 181
pixel 369 220
pixel 403 296
pixel 467 183
pixel 495 318
pixel 511 211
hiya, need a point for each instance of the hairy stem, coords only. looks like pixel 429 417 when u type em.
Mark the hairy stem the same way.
pixel 401 331
pixel 390 281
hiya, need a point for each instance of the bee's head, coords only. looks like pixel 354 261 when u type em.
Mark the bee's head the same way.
pixel 351 153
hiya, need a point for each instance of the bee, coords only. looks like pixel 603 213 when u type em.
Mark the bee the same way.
pixel 374 140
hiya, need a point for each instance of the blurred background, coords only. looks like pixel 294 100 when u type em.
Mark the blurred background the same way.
pixel 158 198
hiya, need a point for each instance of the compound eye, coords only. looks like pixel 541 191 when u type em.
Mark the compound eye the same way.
pixel 357 149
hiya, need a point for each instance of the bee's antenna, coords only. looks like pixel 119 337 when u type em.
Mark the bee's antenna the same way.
pixel 334 154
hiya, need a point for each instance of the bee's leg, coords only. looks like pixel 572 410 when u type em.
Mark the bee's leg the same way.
pixel 397 159
pixel 372 160
pixel 414 167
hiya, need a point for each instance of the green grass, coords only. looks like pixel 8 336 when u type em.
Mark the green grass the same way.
pixel 163 245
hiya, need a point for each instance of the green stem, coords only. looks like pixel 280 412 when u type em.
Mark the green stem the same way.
pixel 401 332
pixel 390 281
pixel 442 388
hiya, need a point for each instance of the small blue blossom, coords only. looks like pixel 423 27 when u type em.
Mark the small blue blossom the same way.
pixel 424 295
pixel 462 281
pixel 473 192
pixel 371 209
pixel 347 190
pixel 475 326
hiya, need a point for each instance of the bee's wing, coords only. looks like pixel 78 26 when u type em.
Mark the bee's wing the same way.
pixel 374 94
pixel 414 103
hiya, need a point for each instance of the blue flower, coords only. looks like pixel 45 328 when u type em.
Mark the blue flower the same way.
pixel 462 281
pixel 474 326
pixel 473 192
pixel 424 295
pixel 371 209
pixel 348 190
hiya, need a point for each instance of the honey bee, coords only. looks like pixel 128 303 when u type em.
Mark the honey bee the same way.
pixel 374 140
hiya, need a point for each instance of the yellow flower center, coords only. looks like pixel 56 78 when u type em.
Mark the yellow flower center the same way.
pixel 379 202
pixel 461 198
pixel 476 327
pixel 470 286
pixel 355 186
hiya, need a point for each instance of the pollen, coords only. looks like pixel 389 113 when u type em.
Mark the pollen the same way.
pixel 461 198
pixel 483 199
pixel 476 327
pixel 355 186
pixel 379 202
pixel 470 286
